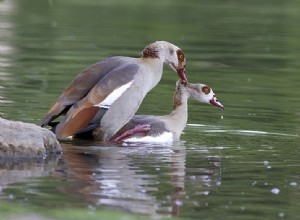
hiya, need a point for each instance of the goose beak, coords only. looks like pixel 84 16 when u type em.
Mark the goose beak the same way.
pixel 214 101
pixel 181 74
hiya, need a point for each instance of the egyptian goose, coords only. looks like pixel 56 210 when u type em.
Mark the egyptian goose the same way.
pixel 152 128
pixel 119 83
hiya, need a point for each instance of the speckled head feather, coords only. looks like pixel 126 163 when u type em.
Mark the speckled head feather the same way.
pixel 151 51
pixel 165 51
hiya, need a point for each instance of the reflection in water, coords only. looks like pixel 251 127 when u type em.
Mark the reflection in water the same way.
pixel 6 34
pixel 116 179
pixel 129 178
pixel 20 170
pixel 6 48
pixel 150 180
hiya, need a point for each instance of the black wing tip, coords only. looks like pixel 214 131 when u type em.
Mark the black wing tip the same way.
pixel 48 119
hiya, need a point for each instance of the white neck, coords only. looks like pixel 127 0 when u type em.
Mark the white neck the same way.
pixel 153 69
pixel 176 121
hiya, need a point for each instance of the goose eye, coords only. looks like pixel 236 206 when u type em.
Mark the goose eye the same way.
pixel 180 56
pixel 205 90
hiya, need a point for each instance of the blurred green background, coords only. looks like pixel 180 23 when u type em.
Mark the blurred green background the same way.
pixel 247 51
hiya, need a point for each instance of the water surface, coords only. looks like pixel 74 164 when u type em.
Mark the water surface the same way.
pixel 244 166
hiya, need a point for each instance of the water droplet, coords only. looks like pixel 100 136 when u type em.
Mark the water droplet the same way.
pixel 91 207
pixel 192 177
pixel 275 191
pixel 205 193
pixel 266 163
pixel 178 202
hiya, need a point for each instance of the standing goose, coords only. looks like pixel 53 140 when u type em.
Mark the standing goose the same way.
pixel 118 83
pixel 157 128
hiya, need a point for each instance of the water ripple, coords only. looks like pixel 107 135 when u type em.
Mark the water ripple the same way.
pixel 215 129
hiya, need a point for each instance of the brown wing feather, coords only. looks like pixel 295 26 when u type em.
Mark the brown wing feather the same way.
pixel 77 119
pixel 82 112
pixel 80 87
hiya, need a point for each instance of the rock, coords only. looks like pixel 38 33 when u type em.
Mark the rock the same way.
pixel 32 216
pixel 20 140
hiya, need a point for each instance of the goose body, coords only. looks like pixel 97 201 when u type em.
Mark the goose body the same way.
pixel 118 84
pixel 144 128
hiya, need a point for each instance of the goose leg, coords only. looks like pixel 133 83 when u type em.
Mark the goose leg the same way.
pixel 136 129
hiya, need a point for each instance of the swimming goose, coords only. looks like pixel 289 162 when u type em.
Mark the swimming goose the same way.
pixel 116 83
pixel 141 127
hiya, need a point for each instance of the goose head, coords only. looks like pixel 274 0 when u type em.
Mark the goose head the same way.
pixel 169 54
pixel 203 93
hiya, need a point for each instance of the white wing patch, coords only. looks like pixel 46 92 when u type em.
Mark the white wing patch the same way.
pixel 114 96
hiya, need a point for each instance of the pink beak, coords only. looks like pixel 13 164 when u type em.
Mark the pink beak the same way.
pixel 181 74
pixel 214 101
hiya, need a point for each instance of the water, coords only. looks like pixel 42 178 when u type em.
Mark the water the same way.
pixel 243 164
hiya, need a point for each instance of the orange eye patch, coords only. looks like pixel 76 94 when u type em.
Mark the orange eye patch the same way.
pixel 180 55
pixel 205 90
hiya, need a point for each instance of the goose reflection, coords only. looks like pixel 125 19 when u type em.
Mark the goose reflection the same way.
pixel 127 178
pixel 142 179
pixel 149 180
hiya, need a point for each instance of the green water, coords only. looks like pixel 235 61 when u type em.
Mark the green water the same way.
pixel 244 166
